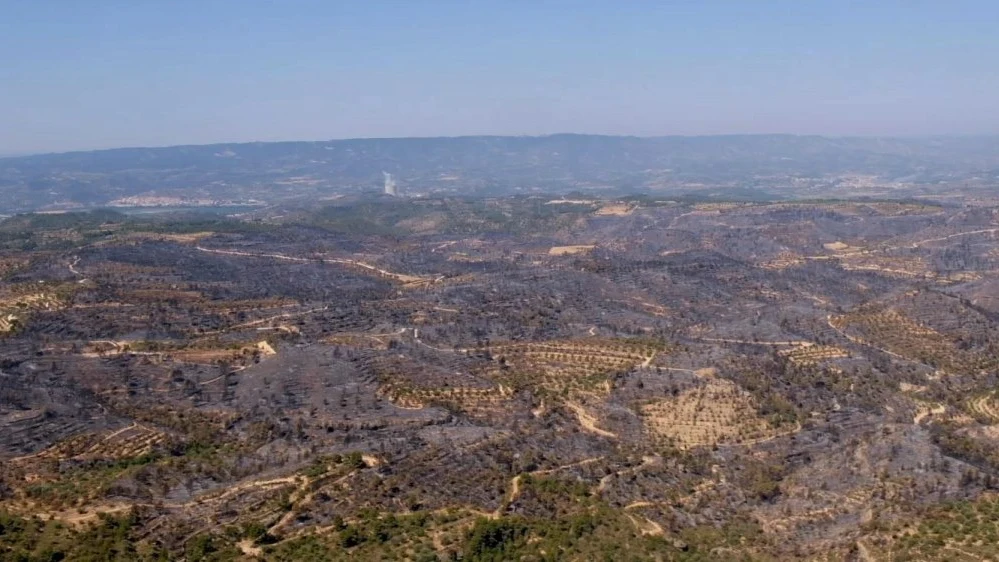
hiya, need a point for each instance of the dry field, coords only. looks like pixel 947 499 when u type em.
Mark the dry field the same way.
pixel 467 398
pixel 718 412
pixel 813 354
pixel 8 322
pixel 892 266
pixel 569 250
pixel 187 238
pixel 14 304
pixel 615 210
pixel 129 442
pixel 900 336
pixel 30 301
pixel 564 366
pixel 985 408
pixel 783 260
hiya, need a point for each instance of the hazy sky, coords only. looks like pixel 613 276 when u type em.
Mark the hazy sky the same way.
pixel 96 73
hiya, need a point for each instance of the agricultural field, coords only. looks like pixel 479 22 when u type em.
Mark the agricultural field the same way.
pixel 717 412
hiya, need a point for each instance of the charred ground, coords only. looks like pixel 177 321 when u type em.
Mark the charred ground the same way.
pixel 503 378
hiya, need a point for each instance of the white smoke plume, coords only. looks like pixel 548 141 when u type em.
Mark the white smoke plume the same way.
pixel 390 188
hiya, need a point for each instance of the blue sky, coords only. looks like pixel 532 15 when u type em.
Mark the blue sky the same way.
pixel 78 74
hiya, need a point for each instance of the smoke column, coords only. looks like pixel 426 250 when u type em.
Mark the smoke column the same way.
pixel 390 188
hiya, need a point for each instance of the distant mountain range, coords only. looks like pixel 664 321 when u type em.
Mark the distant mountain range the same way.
pixel 275 171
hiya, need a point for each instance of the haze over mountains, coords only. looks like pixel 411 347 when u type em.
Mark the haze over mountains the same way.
pixel 778 165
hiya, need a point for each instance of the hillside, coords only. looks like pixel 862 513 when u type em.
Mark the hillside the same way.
pixel 272 172
pixel 503 378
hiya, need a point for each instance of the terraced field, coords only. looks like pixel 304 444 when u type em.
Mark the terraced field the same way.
pixel 132 441
pixel 465 398
pixel 716 412
pixel 985 408
pixel 16 305
pixel 955 531
pixel 899 335
pixel 813 354
pixel 31 301
pixel 8 322
pixel 561 368
pixel 784 260
pixel 892 266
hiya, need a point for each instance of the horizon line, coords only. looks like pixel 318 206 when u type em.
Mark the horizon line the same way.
pixel 29 154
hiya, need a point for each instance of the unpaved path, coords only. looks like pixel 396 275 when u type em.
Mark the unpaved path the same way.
pixel 583 462
pixel 646 461
pixel 401 277
pixel 229 492
pixel 636 505
pixel 801 343
pixel 416 338
pixel 93 448
pixel 306 498
pixel 925 412
pixel 913 245
pixel 253 323
pixel 648 361
pixel 962 552
pixel 646 526
pixel 942 238
pixel 232 372
pixel 72 266
pixel 588 422
pixel 863 553
pixel 246 547
pixel 514 491
pixel 758 440
pixel 79 517
pixel 859 341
